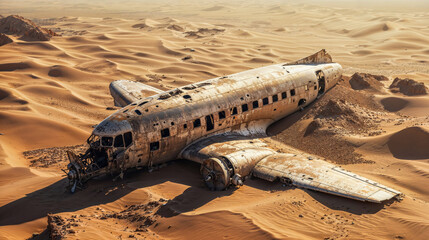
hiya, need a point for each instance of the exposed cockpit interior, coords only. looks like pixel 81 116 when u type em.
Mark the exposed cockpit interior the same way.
pixel 104 155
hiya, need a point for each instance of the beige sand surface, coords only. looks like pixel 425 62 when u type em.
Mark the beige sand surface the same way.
pixel 52 92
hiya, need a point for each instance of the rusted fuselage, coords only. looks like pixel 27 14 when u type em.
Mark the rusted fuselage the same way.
pixel 156 129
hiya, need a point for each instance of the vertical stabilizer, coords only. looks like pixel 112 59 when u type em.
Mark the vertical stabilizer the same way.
pixel 320 57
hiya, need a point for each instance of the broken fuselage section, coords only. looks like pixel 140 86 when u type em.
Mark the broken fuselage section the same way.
pixel 107 151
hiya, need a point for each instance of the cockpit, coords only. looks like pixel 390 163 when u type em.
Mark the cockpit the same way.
pixel 103 149
pixel 108 148
pixel 118 141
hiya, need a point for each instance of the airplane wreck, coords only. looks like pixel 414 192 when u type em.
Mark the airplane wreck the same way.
pixel 220 124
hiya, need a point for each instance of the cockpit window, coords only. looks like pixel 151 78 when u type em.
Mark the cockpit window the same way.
pixel 128 137
pixel 94 141
pixel 119 141
pixel 106 141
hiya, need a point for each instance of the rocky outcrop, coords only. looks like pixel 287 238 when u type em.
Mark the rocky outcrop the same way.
pixel 408 87
pixel 24 28
pixel 4 39
pixel 57 227
pixel 360 81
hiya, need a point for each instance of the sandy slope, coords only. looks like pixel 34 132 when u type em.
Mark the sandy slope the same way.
pixel 51 93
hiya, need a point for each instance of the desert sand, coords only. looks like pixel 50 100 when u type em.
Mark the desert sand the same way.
pixel 53 92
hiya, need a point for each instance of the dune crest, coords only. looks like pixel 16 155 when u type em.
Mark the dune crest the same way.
pixel 375 29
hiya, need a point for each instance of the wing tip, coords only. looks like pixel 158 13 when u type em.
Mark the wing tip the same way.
pixel 384 196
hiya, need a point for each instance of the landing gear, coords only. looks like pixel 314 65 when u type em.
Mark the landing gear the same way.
pixel 81 169
pixel 73 177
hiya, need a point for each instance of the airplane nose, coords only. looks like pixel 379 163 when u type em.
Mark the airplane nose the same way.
pixel 112 126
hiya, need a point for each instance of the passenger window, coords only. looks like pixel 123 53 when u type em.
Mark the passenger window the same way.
pixel 244 108
pixel 275 98
pixel 165 132
pixel 292 92
pixel 222 115
pixel 255 104
pixel 142 103
pixel 154 146
pixel 106 141
pixel 128 137
pixel 234 111
pixel 265 101
pixel 197 123
pixel 119 141
pixel 284 95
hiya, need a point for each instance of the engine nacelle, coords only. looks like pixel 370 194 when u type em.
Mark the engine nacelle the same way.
pixel 220 172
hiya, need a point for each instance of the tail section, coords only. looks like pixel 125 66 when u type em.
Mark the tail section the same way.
pixel 319 57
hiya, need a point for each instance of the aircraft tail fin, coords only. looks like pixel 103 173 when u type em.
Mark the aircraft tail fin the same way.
pixel 319 57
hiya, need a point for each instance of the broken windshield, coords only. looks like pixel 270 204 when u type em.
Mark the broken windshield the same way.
pixel 106 141
pixel 94 141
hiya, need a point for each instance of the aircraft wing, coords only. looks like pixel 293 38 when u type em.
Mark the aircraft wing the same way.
pixel 125 92
pixel 313 173
pixel 228 159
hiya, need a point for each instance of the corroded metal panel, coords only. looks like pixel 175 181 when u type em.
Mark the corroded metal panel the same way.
pixel 305 171
pixel 125 92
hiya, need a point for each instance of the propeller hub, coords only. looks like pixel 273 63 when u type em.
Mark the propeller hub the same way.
pixel 72 175
pixel 215 174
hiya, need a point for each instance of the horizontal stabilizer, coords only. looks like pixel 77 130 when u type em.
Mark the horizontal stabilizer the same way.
pixel 125 92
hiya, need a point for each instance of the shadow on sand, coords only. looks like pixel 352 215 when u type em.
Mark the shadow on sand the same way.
pixel 56 199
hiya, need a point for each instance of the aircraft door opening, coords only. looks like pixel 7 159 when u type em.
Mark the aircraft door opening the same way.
pixel 209 122
pixel 321 82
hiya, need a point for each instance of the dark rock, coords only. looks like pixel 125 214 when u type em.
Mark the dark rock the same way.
pixel 176 28
pixel 187 58
pixel 25 29
pixel 4 39
pixel 360 81
pixel 56 227
pixel 408 87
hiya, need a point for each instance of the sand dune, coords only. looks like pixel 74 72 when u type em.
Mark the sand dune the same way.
pixel 410 143
pixel 53 92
